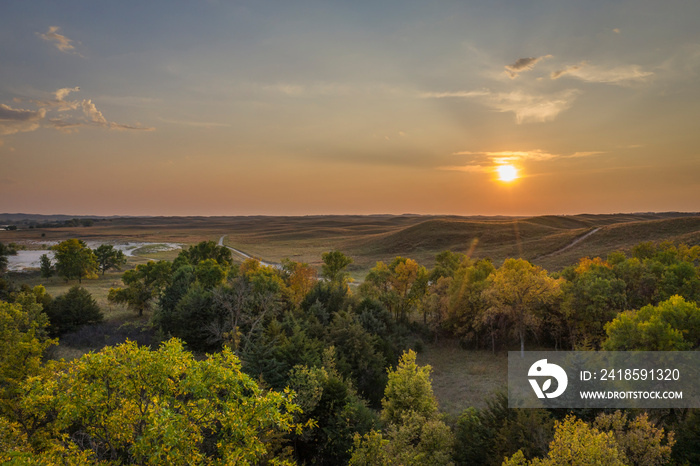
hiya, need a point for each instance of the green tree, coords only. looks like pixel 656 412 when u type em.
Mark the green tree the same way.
pixel 329 400
pixel 203 251
pixel 130 405
pixel 673 325
pixel 4 252
pixel 334 265
pixel 72 310
pixel 519 290
pixel 47 268
pixel 415 434
pixel 144 284
pixel 408 389
pixel 358 357
pixel 74 260
pixel 485 436
pixel 109 258
pixel 446 264
pixel 593 296
pixel 209 273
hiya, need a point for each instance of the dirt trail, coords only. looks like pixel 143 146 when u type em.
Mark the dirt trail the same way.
pixel 246 256
pixel 571 244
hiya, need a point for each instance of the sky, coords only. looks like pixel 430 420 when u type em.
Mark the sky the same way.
pixel 349 107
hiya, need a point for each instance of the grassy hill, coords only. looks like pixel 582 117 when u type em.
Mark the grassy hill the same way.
pixel 552 241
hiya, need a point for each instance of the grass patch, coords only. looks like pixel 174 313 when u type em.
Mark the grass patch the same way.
pixel 463 378
pixel 96 336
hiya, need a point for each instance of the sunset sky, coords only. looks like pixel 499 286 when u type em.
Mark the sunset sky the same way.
pixel 353 107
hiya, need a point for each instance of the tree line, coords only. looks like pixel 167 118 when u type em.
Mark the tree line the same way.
pixel 339 365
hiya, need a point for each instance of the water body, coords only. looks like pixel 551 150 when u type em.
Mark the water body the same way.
pixel 30 259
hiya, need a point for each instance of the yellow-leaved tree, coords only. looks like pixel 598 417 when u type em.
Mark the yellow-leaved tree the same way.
pixel 518 290
pixel 131 405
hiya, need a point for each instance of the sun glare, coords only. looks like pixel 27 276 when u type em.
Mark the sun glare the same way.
pixel 507 173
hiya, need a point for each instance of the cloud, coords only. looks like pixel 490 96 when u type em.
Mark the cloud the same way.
pixel 61 94
pixel 620 75
pixel 74 114
pixel 528 108
pixel 96 118
pixel 523 64
pixel 464 94
pixel 93 114
pixel 196 124
pixel 58 102
pixel 486 161
pixel 61 42
pixel 531 108
pixel 467 168
pixel 14 120
pixel 509 156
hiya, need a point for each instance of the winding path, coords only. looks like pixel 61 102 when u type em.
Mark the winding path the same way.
pixel 246 256
pixel 571 244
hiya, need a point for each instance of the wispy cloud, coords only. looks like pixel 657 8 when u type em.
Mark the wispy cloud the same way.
pixel 620 75
pixel 96 118
pixel 457 94
pixel 532 108
pixel 196 123
pixel 487 161
pixel 527 107
pixel 523 64
pixel 61 42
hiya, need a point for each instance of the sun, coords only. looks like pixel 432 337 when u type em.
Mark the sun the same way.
pixel 507 173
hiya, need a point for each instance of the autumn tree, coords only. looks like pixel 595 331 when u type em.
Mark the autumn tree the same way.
pixel 518 290
pixel 638 439
pixel 400 286
pixel 130 405
pixel 300 277
pixel 23 341
pixel 109 258
pixel 576 444
pixel 467 304
pixel 74 259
